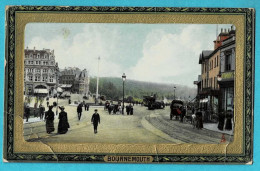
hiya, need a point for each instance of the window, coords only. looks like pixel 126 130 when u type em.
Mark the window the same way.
pixel 44 78
pixel 45 70
pixel 215 63
pixel 45 56
pixel 217 60
pixel 26 56
pixel 30 78
pixel 38 55
pixel 37 78
pixel 31 55
pixel 30 69
pixel 228 62
pixel 51 78
pixel 38 70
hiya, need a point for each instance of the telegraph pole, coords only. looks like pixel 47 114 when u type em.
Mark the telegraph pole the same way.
pixel 97 81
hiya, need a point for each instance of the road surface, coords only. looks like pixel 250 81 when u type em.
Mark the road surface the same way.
pixel 145 126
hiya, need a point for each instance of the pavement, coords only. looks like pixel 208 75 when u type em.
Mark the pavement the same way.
pixel 214 127
pixel 145 126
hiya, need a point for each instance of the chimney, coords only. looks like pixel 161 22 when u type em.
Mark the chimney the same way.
pixel 225 30
pixel 221 30
pixel 34 48
pixel 27 48
pixel 232 27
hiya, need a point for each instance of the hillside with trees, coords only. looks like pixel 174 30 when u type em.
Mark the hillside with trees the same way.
pixel 112 88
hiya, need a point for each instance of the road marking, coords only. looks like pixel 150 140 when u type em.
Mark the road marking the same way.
pixel 158 132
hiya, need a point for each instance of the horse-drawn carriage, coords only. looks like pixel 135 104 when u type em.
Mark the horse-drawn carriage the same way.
pixel 176 106
pixel 151 103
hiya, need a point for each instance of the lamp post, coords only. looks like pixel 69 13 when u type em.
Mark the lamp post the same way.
pixel 174 91
pixel 57 84
pixel 124 78
pixel 97 82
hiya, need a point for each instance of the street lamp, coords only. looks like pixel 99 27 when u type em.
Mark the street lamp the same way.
pixel 57 84
pixel 174 92
pixel 124 78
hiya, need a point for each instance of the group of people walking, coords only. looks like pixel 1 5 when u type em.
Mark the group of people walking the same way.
pixel 63 124
pixel 79 108
pixel 118 109
pixel 197 119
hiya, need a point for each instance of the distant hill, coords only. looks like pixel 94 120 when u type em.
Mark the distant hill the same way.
pixel 112 88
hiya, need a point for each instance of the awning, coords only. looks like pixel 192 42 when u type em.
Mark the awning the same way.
pixel 204 100
pixel 66 86
pixel 41 91
pixel 59 90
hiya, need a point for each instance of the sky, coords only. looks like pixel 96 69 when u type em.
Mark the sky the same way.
pixel 163 53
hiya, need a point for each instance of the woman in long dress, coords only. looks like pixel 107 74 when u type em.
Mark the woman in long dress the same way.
pixel 63 122
pixel 49 118
pixel 228 125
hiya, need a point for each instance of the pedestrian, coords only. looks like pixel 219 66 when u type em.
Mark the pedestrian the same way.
pixel 69 101
pixel 79 111
pixel 47 99
pixel 87 107
pixel 42 109
pixel 131 110
pixel 199 120
pixel 221 121
pixel 95 120
pixel 127 109
pixel 183 113
pixel 27 112
pixel 115 109
pixel 110 108
pixel 84 105
pixel 193 120
pixel 49 118
pixel 63 121
pixel 229 116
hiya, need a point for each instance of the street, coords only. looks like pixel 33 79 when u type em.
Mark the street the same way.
pixel 145 126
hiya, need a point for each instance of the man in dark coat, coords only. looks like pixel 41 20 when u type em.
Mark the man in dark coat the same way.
pixel 229 117
pixel 87 107
pixel 131 109
pixel 27 112
pixel 127 109
pixel 221 121
pixel 199 119
pixel 95 120
pixel 79 110
pixel 110 108
pixel 47 99
pixel 49 118
pixel 42 109
pixel 183 113
pixel 63 121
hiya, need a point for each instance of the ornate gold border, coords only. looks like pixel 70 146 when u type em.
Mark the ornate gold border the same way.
pixel 21 146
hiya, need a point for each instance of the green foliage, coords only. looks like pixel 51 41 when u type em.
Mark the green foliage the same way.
pixel 112 88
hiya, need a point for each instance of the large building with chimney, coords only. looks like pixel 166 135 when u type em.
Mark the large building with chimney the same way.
pixel 216 79
pixel 40 72
pixel 74 80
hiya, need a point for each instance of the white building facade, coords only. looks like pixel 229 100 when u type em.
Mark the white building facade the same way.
pixel 40 72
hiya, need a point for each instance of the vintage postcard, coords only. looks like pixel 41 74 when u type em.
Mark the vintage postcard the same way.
pixel 129 84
